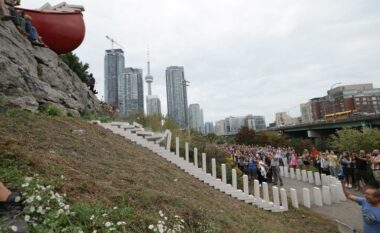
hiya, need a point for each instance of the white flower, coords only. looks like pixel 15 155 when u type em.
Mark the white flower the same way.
pixel 104 215
pixel 80 231
pixel 17 199
pixel 95 231
pixel 13 228
pixel 27 218
pixel 28 179
pixel 92 217
pixel 62 177
pixel 115 208
pixel 175 180
pixel 25 185
pixel 38 198
pixel 161 213
pixel 32 209
pixel 66 207
pixel 151 227
pixel 107 224
pixel 121 223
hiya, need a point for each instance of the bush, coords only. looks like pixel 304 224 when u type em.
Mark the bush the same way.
pixel 50 110
pixel 354 139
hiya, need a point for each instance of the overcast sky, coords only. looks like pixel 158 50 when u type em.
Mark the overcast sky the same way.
pixel 240 56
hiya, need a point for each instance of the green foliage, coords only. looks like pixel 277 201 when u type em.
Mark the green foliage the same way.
pixel 245 136
pixel 78 67
pixel 300 145
pixel 354 140
pixel 50 110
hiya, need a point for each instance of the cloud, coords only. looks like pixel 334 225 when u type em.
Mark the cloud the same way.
pixel 243 56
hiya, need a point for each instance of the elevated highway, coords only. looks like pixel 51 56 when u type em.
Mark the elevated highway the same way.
pixel 324 129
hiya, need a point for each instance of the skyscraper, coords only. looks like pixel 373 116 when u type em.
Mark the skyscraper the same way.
pixel 209 128
pixel 153 103
pixel 132 92
pixel 196 118
pixel 177 95
pixel 113 75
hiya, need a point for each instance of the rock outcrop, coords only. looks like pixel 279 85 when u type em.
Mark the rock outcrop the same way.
pixel 31 76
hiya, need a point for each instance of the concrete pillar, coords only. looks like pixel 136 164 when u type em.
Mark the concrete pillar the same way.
pixel 213 167
pixel 284 199
pixel 306 198
pixel 177 146
pixel 317 178
pixel 286 171
pixel 342 197
pixel 326 195
pixel 257 189
pixel 298 174
pixel 245 184
pixel 187 152
pixel 292 174
pixel 325 182
pixel 224 174
pixel 317 197
pixel 204 165
pixel 276 196
pixel 234 179
pixel 310 177
pixel 281 171
pixel 293 195
pixel 169 141
pixel 334 193
pixel 304 176
pixel 196 157
pixel 265 192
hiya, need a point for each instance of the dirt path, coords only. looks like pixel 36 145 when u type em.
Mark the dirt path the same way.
pixel 347 211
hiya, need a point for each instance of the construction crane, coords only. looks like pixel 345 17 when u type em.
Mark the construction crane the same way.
pixel 114 42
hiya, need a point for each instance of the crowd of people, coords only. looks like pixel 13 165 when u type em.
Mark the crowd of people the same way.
pixel 22 21
pixel 357 168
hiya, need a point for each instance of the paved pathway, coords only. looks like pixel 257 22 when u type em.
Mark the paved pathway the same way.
pixel 347 211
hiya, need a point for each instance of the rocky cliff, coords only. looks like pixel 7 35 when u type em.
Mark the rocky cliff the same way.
pixel 31 76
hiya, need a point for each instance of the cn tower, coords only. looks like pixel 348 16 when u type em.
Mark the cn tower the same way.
pixel 149 77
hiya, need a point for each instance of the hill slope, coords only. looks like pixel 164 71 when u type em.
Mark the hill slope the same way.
pixel 107 170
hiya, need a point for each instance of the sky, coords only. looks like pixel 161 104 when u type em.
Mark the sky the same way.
pixel 240 56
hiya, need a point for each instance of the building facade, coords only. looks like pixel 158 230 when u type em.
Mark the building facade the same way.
pixel 196 121
pixel 131 92
pixel 114 63
pixel 306 113
pixel 153 105
pixel 256 123
pixel 176 92
pixel 220 128
pixel 209 128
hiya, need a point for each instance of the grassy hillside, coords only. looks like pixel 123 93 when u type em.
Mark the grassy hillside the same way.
pixel 102 171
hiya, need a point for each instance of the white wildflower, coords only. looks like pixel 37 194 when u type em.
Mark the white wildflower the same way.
pixel 13 228
pixel 25 185
pixel 107 224
pixel 95 231
pixel 115 208
pixel 62 177
pixel 32 209
pixel 151 227
pixel 66 207
pixel 104 215
pixel 17 199
pixel 161 213
pixel 121 223
pixel 38 198
pixel 175 180
pixel 28 179
pixel 27 218
pixel 92 217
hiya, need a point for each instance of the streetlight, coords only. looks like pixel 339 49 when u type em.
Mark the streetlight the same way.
pixel 332 86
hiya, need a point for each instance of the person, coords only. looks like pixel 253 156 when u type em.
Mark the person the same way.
pixel 91 83
pixel 252 168
pixel 10 209
pixel 294 160
pixel 333 163
pixel 275 165
pixel 361 169
pixel 370 204
pixel 4 12
pixel 346 166
pixel 375 165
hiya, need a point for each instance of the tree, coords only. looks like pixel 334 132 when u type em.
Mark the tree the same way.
pixel 245 136
pixel 354 140
pixel 74 63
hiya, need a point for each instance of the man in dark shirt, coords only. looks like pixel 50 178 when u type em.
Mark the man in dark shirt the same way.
pixel 361 169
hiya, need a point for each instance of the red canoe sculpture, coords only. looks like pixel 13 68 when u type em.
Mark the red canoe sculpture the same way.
pixel 62 32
